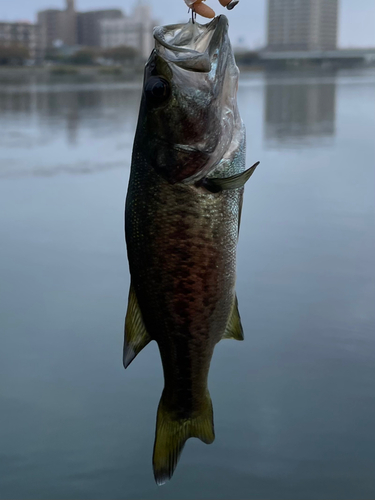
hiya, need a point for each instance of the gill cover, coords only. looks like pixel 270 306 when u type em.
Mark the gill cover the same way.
pixel 189 112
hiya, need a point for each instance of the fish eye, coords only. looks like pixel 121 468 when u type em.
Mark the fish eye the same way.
pixel 157 90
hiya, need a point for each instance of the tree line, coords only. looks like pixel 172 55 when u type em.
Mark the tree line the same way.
pixel 13 54
pixel 17 54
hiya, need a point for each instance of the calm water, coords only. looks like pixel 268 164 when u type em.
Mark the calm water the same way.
pixel 294 404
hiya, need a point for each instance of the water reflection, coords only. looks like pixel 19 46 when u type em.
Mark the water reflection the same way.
pixel 294 403
pixel 299 112
pixel 97 124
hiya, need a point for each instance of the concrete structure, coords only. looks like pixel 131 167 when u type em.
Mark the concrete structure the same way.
pixel 21 33
pixel 100 28
pixel 89 25
pixel 50 22
pixel 302 25
pixel 131 31
pixel 58 26
pixel 327 58
pixel 69 26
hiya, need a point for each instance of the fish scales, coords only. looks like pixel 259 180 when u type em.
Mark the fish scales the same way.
pixel 181 243
pixel 182 218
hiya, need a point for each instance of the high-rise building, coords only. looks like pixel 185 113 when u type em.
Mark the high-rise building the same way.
pixel 131 31
pixel 88 25
pixel 70 24
pixel 21 33
pixel 58 26
pixel 50 23
pixel 302 24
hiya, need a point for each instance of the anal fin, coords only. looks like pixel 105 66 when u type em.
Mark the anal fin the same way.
pixel 234 327
pixel 136 336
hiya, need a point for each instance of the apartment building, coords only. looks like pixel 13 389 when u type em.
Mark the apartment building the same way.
pixel 132 31
pixel 21 33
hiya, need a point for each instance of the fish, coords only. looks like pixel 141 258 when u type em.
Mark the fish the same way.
pixel 182 218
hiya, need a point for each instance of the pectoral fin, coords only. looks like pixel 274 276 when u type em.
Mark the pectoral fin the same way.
pixel 136 336
pixel 234 328
pixel 235 181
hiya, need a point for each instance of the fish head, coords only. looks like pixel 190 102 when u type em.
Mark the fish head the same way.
pixel 189 113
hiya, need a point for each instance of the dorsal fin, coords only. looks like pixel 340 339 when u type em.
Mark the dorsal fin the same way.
pixel 136 336
pixel 234 328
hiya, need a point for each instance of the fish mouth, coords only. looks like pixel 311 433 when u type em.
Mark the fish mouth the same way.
pixel 192 46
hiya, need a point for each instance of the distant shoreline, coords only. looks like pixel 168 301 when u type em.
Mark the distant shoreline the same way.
pixel 15 77
pixel 29 74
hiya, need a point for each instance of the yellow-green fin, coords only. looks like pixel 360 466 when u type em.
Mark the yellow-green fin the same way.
pixel 172 433
pixel 234 328
pixel 216 185
pixel 136 336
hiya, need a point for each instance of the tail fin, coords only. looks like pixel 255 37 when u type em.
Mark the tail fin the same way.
pixel 172 433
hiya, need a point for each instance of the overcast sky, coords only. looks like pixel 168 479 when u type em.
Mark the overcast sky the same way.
pixel 356 27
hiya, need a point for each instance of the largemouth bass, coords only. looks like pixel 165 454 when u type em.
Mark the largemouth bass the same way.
pixel 182 219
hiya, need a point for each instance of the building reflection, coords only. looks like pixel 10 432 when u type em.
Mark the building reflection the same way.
pixel 20 102
pixel 299 111
pixel 60 105
pixel 41 121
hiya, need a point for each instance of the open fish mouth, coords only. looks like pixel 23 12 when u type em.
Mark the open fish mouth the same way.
pixel 191 46
pixel 190 126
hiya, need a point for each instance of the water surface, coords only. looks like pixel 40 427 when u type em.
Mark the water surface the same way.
pixel 294 404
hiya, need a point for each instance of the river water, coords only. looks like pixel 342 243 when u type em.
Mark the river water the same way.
pixel 294 404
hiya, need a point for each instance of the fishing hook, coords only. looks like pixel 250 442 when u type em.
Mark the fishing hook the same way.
pixel 193 15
